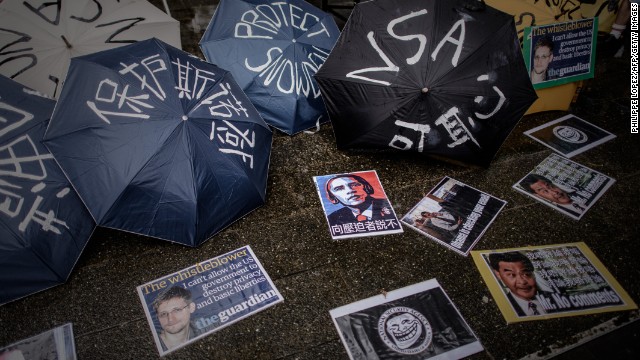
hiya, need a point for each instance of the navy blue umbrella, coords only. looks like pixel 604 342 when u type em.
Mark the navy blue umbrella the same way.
pixel 43 224
pixel 273 49
pixel 160 143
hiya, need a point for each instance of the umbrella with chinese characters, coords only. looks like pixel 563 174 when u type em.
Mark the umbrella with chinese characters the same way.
pixel 38 38
pixel 43 224
pixel 273 49
pixel 426 76
pixel 159 143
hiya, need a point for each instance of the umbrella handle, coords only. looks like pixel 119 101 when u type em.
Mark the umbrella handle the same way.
pixel 66 42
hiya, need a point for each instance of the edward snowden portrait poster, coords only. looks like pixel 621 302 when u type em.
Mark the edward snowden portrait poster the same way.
pixel 196 301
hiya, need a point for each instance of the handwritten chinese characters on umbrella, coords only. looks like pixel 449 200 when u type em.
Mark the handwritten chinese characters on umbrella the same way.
pixel 455 126
pixel 23 175
pixel 208 88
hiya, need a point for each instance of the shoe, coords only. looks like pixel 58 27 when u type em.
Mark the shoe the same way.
pixel 610 46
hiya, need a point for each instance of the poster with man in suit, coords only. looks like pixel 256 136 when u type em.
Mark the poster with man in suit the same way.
pixel 356 205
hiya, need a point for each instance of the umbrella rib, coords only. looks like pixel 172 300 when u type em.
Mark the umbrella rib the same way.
pixel 143 167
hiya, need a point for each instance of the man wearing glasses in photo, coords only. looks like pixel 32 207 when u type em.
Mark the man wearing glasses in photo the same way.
pixel 542 57
pixel 174 308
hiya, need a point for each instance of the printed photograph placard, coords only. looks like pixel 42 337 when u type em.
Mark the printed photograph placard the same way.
pixel 564 185
pixel 560 53
pixel 57 343
pixel 454 214
pixel 569 135
pixel 418 321
pixel 356 205
pixel 194 302
pixel 543 282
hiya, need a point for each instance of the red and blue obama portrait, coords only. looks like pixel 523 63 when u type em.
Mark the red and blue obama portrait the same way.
pixel 356 205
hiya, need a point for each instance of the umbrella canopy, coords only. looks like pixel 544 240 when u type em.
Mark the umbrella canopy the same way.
pixel 39 38
pixel 426 76
pixel 43 224
pixel 159 143
pixel 273 49
pixel 537 12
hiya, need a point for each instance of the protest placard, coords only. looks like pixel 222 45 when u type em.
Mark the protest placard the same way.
pixel 201 299
pixel 355 205
pixel 418 321
pixel 543 282
pixel 564 185
pixel 57 343
pixel 560 53
pixel 454 214
pixel 569 135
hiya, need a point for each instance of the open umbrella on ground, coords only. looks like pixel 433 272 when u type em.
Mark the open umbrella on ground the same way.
pixel 37 38
pixel 160 143
pixel 43 224
pixel 273 49
pixel 426 76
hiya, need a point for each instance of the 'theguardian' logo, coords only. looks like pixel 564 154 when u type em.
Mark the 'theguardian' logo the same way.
pixel 405 330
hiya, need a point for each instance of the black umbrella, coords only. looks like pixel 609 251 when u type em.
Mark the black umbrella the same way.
pixel 435 77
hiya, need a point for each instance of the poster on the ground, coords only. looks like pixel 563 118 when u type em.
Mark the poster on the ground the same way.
pixel 356 205
pixel 569 135
pixel 57 343
pixel 194 302
pixel 454 214
pixel 564 185
pixel 415 322
pixel 543 282
pixel 560 53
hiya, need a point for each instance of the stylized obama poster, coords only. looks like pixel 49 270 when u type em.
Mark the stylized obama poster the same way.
pixel 355 205
pixel 201 299
pixel 417 321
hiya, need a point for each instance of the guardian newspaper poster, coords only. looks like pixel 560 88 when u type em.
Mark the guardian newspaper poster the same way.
pixel 355 205
pixel 189 304
pixel 543 282
pixel 560 53
pixel 569 135
pixel 564 185
pixel 454 214
pixel 57 343
pixel 417 321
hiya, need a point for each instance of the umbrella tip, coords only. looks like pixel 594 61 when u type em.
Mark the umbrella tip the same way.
pixel 425 90
pixel 185 118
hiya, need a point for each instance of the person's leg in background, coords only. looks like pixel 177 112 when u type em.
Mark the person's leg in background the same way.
pixel 613 45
